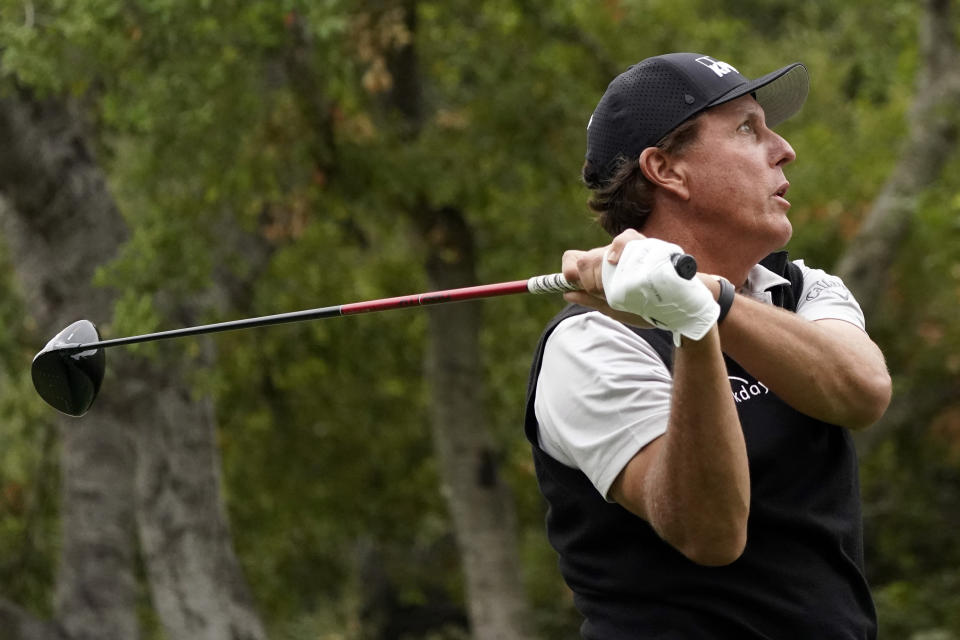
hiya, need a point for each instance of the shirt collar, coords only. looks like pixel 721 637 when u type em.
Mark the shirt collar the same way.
pixel 759 281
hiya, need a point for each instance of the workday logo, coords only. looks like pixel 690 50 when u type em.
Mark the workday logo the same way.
pixel 744 390
pixel 718 67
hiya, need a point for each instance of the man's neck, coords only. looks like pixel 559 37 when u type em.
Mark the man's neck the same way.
pixel 732 260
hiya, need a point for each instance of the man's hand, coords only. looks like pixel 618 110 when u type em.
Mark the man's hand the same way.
pixel 645 282
pixel 586 267
pixel 634 280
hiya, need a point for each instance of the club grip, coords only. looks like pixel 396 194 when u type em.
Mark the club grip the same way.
pixel 685 264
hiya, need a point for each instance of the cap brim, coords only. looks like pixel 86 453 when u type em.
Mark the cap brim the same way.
pixel 780 93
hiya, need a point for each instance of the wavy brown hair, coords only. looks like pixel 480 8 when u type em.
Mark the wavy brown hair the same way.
pixel 625 200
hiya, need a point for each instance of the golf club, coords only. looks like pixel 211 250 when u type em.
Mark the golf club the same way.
pixel 68 372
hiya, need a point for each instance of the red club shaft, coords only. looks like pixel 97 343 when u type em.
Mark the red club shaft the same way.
pixel 436 297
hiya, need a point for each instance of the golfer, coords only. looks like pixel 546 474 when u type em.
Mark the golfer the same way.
pixel 692 437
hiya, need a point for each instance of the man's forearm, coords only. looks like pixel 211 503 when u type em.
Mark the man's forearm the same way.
pixel 704 464
pixel 829 370
pixel 693 483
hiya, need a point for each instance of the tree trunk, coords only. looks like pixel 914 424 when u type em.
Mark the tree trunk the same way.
pixel 60 225
pixel 144 459
pixel 934 119
pixel 480 502
pixel 198 587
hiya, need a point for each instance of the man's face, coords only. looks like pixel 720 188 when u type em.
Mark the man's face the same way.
pixel 735 177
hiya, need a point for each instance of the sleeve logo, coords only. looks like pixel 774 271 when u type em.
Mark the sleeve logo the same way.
pixel 834 284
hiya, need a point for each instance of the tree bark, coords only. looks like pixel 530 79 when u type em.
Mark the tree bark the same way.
pixel 480 503
pixel 144 459
pixel 198 587
pixel 17 624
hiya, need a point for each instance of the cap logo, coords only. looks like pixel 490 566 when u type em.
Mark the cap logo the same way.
pixel 718 67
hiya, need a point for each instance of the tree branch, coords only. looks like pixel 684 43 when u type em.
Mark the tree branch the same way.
pixel 314 104
pixel 931 142
pixel 938 48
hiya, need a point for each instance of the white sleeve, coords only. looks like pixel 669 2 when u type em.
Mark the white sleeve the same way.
pixel 602 395
pixel 825 296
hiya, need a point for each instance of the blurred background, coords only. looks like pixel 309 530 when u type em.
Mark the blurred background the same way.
pixel 174 162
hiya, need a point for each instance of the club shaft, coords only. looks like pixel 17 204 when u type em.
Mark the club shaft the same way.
pixel 551 283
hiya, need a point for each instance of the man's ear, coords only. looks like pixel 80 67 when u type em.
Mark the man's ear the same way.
pixel 664 172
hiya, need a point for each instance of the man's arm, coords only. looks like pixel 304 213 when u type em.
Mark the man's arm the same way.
pixel 692 484
pixel 828 369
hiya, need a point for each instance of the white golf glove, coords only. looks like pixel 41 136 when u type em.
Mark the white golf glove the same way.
pixel 644 282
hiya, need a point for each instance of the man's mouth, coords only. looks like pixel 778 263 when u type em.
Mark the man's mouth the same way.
pixel 782 192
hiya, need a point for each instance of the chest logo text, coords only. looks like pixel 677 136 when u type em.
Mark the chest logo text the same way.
pixel 744 389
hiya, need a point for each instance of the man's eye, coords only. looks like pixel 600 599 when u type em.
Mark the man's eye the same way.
pixel 746 127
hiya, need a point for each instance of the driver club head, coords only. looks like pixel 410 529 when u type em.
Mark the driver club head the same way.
pixel 69 381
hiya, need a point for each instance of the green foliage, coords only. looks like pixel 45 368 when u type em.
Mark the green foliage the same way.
pixel 253 152
pixel 914 486
pixel 931 254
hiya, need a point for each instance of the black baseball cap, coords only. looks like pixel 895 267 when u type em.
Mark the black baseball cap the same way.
pixel 651 98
